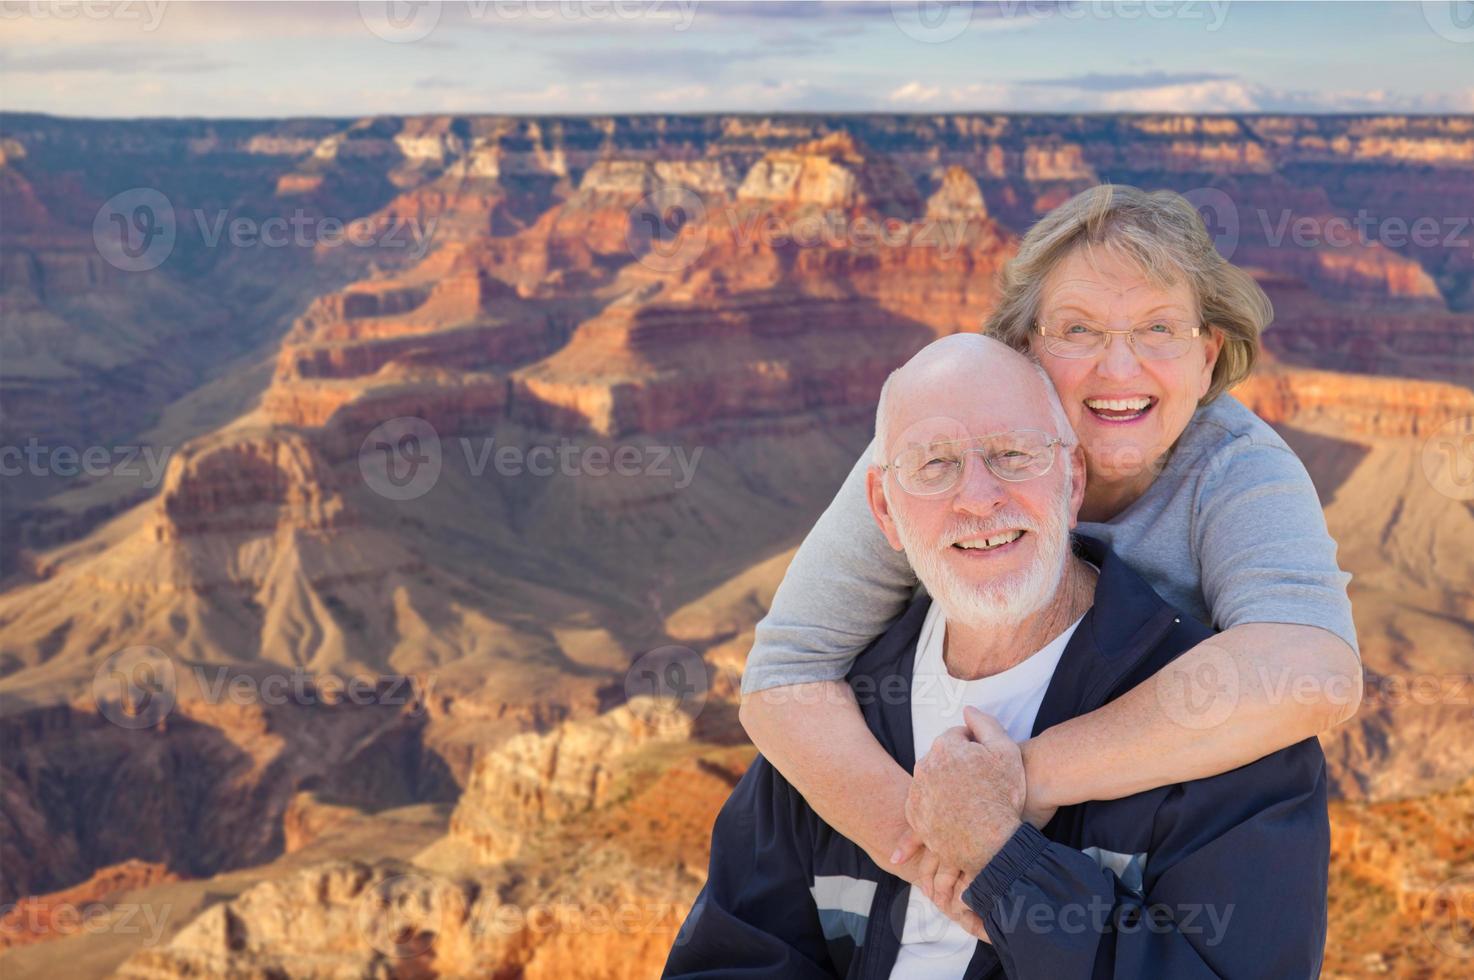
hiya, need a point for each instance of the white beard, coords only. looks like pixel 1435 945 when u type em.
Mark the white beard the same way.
pixel 1008 600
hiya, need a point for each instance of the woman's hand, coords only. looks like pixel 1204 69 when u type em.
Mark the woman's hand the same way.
pixel 1037 812
pixel 942 885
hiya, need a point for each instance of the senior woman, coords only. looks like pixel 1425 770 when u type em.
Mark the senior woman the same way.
pixel 1142 326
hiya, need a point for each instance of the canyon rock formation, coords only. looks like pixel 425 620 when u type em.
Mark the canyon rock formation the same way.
pixel 423 506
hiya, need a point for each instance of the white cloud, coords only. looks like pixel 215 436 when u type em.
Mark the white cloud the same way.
pixel 681 95
pixel 1215 96
pixel 915 92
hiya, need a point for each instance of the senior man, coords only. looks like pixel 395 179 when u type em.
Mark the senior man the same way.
pixel 978 479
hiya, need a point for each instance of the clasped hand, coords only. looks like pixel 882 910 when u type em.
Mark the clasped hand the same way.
pixel 968 796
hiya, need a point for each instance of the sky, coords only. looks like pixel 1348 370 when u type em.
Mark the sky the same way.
pixel 97 58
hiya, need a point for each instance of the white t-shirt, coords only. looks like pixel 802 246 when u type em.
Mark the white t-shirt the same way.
pixel 933 947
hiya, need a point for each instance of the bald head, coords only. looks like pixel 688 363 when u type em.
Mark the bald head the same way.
pixel 973 381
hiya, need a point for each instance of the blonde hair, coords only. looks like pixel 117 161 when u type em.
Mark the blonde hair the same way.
pixel 1163 234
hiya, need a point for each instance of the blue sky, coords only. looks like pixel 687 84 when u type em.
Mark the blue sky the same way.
pixel 167 58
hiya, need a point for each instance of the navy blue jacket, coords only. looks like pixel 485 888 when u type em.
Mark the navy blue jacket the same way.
pixel 1219 877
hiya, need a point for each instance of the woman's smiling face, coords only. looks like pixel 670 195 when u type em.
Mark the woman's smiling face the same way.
pixel 1126 409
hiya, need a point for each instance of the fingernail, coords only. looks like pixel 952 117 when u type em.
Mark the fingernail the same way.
pixel 896 856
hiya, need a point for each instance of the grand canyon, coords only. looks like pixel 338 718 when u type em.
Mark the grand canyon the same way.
pixel 348 656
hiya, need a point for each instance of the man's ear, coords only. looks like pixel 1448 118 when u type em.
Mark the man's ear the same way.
pixel 1076 461
pixel 880 507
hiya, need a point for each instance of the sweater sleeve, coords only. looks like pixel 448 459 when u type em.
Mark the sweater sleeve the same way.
pixel 844 586
pixel 1263 548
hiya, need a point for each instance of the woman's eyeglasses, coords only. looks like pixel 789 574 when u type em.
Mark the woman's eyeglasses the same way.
pixel 1157 339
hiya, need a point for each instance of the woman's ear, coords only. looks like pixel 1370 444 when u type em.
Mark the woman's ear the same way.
pixel 880 507
pixel 1212 347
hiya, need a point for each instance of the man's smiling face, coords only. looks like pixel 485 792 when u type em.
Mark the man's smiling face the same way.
pixel 987 548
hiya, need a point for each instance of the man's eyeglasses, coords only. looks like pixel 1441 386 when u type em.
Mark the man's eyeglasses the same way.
pixel 1015 456
pixel 1159 338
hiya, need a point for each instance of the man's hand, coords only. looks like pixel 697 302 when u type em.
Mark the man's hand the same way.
pixel 920 867
pixel 967 795
pixel 942 886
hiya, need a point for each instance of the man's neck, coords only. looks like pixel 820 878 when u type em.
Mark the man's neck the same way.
pixel 972 652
